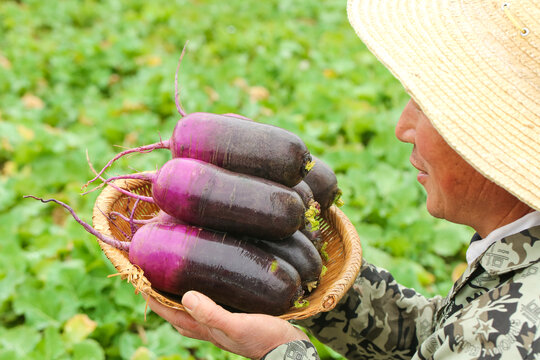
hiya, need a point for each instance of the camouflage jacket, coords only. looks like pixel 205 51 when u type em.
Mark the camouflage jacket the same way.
pixel 491 312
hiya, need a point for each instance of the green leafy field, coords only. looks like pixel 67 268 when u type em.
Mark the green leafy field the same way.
pixel 93 75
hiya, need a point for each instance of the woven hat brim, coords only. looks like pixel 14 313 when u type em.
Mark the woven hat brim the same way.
pixel 473 74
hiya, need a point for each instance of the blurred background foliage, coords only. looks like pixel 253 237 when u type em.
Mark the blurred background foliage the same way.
pixel 96 75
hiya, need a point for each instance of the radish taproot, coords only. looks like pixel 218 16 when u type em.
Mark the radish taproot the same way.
pixel 305 192
pixel 323 183
pixel 176 258
pixel 231 142
pixel 206 195
pixel 315 236
pixel 237 145
pixel 298 251
pixel 231 271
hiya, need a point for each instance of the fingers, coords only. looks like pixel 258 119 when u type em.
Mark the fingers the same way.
pixel 205 311
pixel 165 312
pixel 249 335
pixel 199 335
pixel 181 320
pixel 202 320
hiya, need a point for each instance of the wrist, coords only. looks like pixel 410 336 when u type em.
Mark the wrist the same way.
pixel 293 334
pixel 297 349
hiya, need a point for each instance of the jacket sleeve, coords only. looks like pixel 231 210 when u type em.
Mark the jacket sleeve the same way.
pixel 296 350
pixel 377 318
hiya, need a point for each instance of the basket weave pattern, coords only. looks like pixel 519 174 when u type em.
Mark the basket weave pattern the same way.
pixel 343 248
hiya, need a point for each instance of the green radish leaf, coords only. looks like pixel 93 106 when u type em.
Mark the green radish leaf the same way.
pixel 52 307
pixel 142 353
pixel 165 340
pixel 88 349
pixel 129 343
pixel 21 340
pixel 78 328
pixel 51 346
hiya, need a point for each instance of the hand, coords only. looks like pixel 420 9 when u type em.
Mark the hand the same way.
pixel 248 335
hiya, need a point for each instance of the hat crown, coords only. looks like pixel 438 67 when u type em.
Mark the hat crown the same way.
pixel 473 66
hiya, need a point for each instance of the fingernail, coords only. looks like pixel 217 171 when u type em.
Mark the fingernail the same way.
pixel 190 300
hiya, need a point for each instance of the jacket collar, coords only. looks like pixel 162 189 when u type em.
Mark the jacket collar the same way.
pixel 512 252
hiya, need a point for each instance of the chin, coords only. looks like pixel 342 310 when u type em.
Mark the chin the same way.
pixel 434 210
pixel 436 214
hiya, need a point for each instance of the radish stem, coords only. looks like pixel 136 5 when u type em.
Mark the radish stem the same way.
pixel 121 245
pixel 176 92
pixel 142 149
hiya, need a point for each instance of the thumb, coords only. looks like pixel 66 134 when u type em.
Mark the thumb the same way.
pixel 205 311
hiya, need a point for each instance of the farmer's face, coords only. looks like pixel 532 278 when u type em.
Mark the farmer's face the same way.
pixel 452 185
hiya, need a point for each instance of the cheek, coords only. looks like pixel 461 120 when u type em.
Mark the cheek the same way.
pixel 446 168
pixel 450 182
pixel 455 176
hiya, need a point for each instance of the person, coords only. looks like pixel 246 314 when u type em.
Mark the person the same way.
pixel 472 69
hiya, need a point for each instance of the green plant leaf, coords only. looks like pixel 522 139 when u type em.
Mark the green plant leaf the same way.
pixel 52 307
pixel 51 346
pixel 21 339
pixel 78 328
pixel 142 353
pixel 88 349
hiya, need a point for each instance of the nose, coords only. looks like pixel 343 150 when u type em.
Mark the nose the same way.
pixel 406 127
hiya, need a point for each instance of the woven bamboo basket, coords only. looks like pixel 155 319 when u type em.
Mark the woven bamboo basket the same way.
pixel 343 248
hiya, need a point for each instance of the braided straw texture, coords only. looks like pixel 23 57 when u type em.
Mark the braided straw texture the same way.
pixel 473 72
pixel 344 249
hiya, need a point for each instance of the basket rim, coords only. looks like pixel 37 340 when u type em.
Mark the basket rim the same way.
pixel 332 295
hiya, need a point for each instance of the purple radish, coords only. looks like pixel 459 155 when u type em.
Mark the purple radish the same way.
pixel 315 236
pixel 242 146
pixel 305 192
pixel 231 142
pixel 323 183
pixel 206 195
pixel 300 252
pixel 231 271
pixel 237 145
pixel 176 258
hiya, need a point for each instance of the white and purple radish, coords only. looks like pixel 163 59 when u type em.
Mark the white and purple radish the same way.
pixel 176 258
pixel 206 195
pixel 231 142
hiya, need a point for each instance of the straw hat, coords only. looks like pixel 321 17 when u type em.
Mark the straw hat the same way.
pixel 473 66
